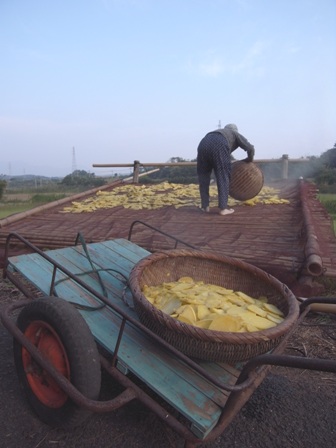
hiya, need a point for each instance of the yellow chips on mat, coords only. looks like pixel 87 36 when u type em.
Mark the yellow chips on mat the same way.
pixel 213 307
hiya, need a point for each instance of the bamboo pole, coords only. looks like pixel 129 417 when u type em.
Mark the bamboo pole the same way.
pixel 323 308
pixel 161 164
pixel 312 251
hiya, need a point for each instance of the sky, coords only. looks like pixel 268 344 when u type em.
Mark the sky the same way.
pixel 86 82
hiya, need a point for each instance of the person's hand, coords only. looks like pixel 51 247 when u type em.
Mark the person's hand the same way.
pixel 250 156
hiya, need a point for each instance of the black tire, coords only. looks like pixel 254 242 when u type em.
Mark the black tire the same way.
pixel 61 333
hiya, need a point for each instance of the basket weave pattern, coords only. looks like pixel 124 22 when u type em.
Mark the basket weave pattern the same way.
pixel 246 180
pixel 169 266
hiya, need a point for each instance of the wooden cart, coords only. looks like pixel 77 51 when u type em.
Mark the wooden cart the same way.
pixel 78 318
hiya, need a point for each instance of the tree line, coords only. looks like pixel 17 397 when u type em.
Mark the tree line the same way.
pixel 321 170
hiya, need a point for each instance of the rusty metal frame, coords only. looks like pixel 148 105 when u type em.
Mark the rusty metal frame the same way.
pixel 121 312
pixel 177 240
pixel 252 374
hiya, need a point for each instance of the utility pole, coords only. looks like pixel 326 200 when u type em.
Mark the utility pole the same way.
pixel 74 166
pixel 219 124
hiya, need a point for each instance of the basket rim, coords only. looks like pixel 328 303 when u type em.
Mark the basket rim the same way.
pixel 215 335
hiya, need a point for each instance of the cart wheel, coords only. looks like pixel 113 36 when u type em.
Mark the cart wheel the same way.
pixel 57 329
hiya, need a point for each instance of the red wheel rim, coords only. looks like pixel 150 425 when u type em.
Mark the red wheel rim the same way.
pixel 47 341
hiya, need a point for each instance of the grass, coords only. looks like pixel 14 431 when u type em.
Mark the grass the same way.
pixel 17 203
pixel 329 201
pixel 10 209
pixel 333 216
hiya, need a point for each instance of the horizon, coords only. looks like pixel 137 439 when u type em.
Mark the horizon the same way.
pixel 128 171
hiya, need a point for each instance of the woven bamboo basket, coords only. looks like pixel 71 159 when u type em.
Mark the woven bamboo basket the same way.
pixel 246 180
pixel 169 266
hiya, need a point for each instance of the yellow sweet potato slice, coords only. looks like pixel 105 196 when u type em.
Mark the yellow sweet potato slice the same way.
pixel 216 310
pixel 171 305
pixel 257 310
pixel 272 309
pixel 245 297
pixel 251 328
pixel 273 318
pixel 185 320
pixel 261 323
pixel 213 302
pixel 247 316
pixel 236 310
pixel 183 286
pixel 213 306
pixel 186 280
pixel 226 323
pixel 202 311
pixel 188 313
pixel 204 323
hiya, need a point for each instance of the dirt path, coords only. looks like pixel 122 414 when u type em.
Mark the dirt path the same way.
pixel 291 408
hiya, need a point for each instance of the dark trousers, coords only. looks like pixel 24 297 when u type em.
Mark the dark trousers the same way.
pixel 213 154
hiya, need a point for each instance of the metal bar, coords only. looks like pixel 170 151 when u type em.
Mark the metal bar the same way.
pixel 242 385
pixel 52 284
pixel 152 404
pixel 92 405
pixel 131 392
pixel 297 362
pixel 26 291
pixel 312 300
pixel 254 369
pixel 177 240
pixel 122 313
pixel 149 164
pixel 116 349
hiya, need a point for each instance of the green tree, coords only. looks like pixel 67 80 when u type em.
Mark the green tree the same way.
pixel 178 174
pixel 325 175
pixel 81 178
pixel 328 158
pixel 3 185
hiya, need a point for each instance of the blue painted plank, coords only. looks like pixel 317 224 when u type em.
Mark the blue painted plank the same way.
pixel 109 259
pixel 188 392
pixel 133 248
pixel 168 377
pixel 39 272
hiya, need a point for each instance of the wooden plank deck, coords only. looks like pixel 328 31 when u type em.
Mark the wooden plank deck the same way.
pixel 191 394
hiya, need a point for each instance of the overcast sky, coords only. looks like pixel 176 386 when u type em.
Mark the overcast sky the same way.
pixel 113 81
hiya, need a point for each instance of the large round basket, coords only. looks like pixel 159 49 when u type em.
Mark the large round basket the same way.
pixel 246 180
pixel 169 266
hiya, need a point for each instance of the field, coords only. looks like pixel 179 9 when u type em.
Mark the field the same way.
pixel 12 203
pixel 329 201
pixel 11 209
pixel 20 194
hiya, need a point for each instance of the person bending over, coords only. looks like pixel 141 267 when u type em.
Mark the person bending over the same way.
pixel 214 153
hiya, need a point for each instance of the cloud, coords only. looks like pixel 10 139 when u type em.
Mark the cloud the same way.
pixel 212 69
pixel 215 65
pixel 250 62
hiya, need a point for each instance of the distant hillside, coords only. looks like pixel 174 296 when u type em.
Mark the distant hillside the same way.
pixel 27 177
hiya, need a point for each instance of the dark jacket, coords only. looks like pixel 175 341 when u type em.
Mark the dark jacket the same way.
pixel 235 140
